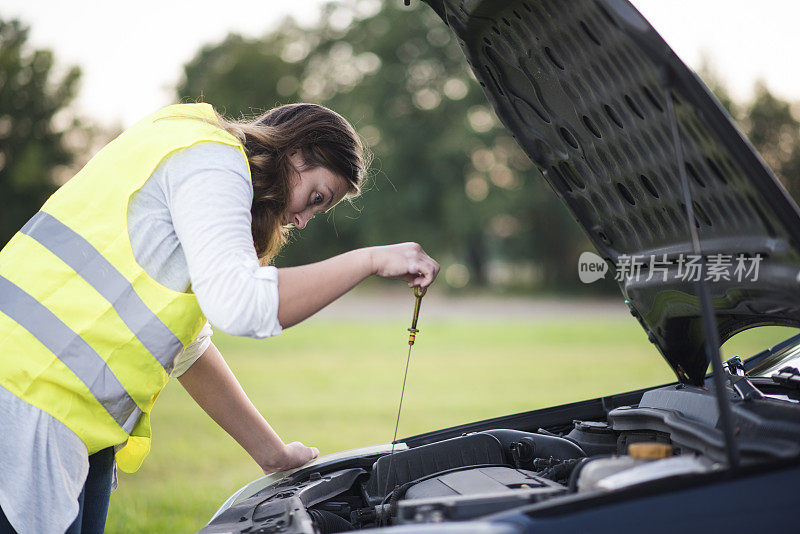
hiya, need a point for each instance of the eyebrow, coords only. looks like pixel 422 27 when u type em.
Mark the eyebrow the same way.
pixel 330 198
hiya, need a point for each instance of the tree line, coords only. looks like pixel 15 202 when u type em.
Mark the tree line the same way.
pixel 445 172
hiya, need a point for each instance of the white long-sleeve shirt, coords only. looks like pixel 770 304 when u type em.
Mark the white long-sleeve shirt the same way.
pixel 189 227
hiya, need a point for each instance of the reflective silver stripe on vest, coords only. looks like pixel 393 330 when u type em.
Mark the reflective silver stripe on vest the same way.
pixel 72 350
pixel 85 260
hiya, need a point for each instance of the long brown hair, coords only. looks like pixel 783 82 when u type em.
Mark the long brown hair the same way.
pixel 323 138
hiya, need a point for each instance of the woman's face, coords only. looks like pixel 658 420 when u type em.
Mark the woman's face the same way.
pixel 312 191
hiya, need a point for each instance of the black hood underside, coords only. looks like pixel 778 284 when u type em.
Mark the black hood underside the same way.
pixel 582 85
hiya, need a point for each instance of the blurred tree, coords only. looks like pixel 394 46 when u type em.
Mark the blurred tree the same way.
pixel 445 173
pixel 768 122
pixel 32 149
pixel 709 75
pixel 775 132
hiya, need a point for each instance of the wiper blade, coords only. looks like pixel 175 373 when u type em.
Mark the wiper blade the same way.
pixel 744 387
pixel 788 376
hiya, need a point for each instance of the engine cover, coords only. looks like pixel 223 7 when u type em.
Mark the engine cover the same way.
pixel 461 495
pixel 481 480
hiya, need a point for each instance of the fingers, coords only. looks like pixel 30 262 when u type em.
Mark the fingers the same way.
pixel 298 454
pixel 291 455
pixel 422 269
pixel 425 274
pixel 405 261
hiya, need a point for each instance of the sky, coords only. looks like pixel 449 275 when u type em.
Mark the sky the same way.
pixel 132 53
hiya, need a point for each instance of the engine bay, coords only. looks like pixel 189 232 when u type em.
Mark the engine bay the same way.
pixel 670 435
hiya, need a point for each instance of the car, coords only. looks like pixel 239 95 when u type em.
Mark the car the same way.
pixel 704 243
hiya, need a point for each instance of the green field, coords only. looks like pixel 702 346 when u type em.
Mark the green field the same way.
pixel 335 385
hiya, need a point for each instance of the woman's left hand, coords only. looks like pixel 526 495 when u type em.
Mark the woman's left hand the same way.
pixel 306 289
pixel 404 261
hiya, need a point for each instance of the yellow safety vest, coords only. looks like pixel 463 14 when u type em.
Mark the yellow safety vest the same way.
pixel 85 334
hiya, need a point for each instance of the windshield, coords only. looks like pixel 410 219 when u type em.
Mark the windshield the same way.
pixel 773 360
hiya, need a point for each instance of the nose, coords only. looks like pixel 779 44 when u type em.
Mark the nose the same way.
pixel 300 221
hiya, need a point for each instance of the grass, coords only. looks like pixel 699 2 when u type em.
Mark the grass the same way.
pixel 335 385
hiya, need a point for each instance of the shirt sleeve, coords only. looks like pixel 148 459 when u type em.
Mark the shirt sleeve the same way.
pixel 192 352
pixel 209 195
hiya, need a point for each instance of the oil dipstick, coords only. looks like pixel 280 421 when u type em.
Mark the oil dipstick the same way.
pixel 419 292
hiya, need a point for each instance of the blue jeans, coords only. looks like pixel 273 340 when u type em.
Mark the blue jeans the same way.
pixel 93 499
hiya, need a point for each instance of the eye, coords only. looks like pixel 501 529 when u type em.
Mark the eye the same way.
pixel 317 199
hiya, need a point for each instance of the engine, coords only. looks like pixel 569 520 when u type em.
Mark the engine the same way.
pixel 670 435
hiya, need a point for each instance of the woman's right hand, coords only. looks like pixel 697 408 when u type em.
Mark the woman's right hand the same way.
pixel 404 261
pixel 293 455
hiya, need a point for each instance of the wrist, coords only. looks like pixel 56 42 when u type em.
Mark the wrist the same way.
pixel 273 459
pixel 369 260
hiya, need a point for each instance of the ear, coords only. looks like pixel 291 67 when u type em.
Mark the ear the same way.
pixel 297 161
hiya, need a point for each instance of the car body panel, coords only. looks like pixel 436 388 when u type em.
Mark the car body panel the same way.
pixel 259 484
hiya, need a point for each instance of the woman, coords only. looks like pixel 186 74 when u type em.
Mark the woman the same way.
pixel 109 289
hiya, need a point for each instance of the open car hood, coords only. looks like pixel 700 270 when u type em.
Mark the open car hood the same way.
pixel 582 85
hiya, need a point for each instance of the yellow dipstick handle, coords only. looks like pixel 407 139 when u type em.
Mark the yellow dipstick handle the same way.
pixel 419 292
